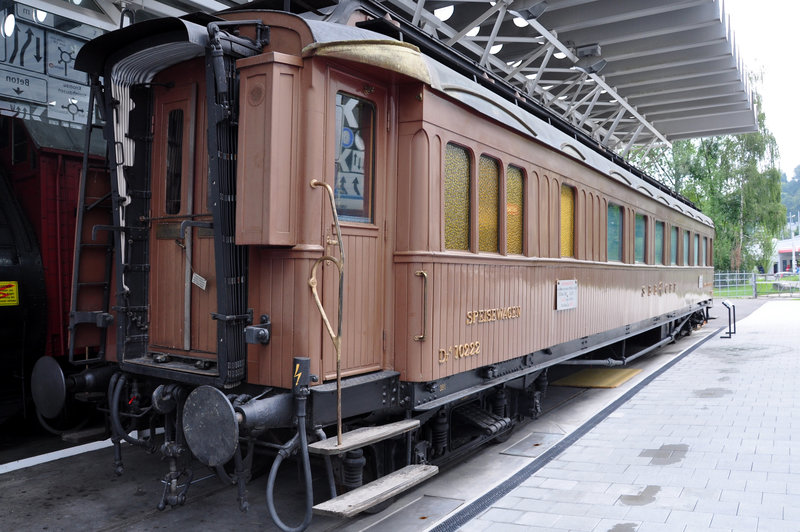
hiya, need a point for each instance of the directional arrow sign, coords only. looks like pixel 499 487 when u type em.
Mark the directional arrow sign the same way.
pixel 23 86
pixel 67 101
pixel 61 52
pixel 25 48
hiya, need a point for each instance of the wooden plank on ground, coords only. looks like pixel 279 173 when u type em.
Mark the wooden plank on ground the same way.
pixel 362 437
pixel 377 491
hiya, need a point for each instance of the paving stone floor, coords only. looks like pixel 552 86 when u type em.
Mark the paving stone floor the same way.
pixel 712 444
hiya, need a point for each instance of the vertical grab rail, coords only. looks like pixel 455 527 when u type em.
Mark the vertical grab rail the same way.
pixel 424 275
pixel 312 282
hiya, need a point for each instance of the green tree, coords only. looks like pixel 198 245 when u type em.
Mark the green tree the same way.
pixel 735 181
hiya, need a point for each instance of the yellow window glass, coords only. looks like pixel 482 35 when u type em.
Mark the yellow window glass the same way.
pixel 515 208
pixel 488 204
pixel 456 197
pixel 567 221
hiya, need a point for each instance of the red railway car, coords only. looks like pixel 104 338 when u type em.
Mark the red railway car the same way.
pixel 326 238
pixel 42 167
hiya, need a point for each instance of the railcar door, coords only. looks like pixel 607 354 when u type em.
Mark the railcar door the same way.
pixel 357 142
pixel 182 285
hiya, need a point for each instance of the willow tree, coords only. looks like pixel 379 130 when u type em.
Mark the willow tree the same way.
pixel 735 181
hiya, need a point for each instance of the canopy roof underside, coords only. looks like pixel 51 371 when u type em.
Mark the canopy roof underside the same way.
pixel 626 72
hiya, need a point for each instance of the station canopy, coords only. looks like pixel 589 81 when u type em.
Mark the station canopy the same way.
pixel 626 72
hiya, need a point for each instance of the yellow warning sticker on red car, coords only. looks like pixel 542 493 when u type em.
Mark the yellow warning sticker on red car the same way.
pixel 9 293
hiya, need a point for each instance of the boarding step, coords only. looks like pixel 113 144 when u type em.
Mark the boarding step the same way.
pixel 377 491
pixel 355 439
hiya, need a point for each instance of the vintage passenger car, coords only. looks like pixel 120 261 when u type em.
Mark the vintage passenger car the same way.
pixel 324 236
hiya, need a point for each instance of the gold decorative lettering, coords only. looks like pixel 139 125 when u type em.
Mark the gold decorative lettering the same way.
pixel 442 356
pixel 493 314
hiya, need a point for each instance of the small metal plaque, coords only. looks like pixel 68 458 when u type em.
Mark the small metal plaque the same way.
pixel 199 281
pixel 168 230
pixel 567 294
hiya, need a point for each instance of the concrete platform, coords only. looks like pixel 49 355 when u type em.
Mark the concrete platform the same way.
pixel 712 443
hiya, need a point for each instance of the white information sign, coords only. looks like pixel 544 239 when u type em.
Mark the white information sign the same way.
pixel 21 110
pixel 61 52
pixel 67 101
pixel 567 294
pixel 25 48
pixel 23 86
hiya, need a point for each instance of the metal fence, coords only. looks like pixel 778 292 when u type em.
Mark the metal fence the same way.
pixel 740 284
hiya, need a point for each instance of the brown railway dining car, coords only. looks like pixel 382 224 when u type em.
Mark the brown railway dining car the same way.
pixel 325 237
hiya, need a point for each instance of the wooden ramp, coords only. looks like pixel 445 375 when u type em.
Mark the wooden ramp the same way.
pixel 377 491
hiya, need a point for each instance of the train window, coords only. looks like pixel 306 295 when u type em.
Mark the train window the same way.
pixel 640 241
pixel 704 254
pixel 673 246
pixel 659 243
pixel 686 248
pixel 355 145
pixel 696 250
pixel 567 221
pixel 515 209
pixel 174 162
pixel 614 244
pixel 456 197
pixel 488 204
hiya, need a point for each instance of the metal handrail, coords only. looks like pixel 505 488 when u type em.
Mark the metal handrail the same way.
pixel 312 282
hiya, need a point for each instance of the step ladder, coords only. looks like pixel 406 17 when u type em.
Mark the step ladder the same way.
pixel 92 260
pixel 366 496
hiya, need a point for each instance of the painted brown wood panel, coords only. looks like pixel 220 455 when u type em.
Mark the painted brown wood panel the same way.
pixel 609 296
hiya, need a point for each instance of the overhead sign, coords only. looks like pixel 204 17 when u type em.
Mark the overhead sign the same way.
pixel 23 86
pixel 61 52
pixel 25 111
pixel 67 101
pixel 26 48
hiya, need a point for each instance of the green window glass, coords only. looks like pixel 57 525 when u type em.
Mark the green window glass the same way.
pixel 673 246
pixel 456 197
pixel 639 245
pixel 355 144
pixel 614 242
pixel 659 243
pixel 515 210
pixel 488 205
pixel 686 248
pixel 696 250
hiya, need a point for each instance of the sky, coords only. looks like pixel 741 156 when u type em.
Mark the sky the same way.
pixel 766 32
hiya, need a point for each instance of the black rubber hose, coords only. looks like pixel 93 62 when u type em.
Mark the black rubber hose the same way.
pixel 115 422
pixel 284 452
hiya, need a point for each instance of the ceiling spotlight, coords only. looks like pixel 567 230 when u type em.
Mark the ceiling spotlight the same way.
pixel 8 25
pixel 559 55
pixel 443 13
pixel 495 49
pixel 474 31
pixel 589 59
pixel 520 22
